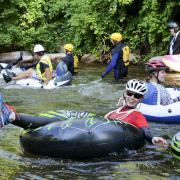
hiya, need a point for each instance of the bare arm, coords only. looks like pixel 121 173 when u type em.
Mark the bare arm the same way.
pixel 48 75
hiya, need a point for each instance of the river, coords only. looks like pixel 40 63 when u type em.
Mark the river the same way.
pixel 87 93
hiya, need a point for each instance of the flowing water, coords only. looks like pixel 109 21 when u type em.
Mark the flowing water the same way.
pixel 88 93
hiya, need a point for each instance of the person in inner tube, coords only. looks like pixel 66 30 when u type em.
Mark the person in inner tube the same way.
pixel 7 113
pixel 157 73
pixel 133 95
pixel 44 69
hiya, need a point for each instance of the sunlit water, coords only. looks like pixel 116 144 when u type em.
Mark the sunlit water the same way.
pixel 88 93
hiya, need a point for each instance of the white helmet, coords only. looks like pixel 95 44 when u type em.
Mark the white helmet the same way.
pixel 38 48
pixel 136 86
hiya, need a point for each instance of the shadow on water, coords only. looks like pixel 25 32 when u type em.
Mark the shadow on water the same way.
pixel 88 93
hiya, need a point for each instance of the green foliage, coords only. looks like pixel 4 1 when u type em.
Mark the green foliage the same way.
pixel 86 24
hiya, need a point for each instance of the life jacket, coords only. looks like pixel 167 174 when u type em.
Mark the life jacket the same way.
pixel 76 64
pixel 124 51
pixel 151 97
pixel 5 113
pixel 46 60
pixel 126 54
pixel 129 115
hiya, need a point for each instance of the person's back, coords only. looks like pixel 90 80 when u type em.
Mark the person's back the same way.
pixel 157 94
pixel 61 68
pixel 69 61
pixel 120 65
pixel 151 97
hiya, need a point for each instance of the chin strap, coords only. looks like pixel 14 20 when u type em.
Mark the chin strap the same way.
pixel 157 77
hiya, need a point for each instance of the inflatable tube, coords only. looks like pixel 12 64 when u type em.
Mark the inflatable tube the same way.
pixel 36 84
pixel 56 82
pixel 172 61
pixel 81 137
pixel 169 114
pixel 16 70
pixel 31 122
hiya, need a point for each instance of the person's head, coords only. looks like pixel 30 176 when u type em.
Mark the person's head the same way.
pixel 116 37
pixel 69 48
pixel 38 50
pixel 173 27
pixel 134 92
pixel 175 146
pixel 156 70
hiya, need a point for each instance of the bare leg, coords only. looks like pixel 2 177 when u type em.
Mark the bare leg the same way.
pixel 24 75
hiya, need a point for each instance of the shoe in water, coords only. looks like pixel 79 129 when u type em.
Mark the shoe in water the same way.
pixel 7 78
pixel 10 74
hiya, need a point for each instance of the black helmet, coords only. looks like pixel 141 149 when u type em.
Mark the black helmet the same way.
pixel 173 25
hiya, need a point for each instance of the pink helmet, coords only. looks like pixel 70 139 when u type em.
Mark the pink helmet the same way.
pixel 155 65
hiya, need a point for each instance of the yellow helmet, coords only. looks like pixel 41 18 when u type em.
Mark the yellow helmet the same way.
pixel 69 47
pixel 116 37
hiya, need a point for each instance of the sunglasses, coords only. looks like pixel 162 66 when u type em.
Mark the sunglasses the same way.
pixel 137 96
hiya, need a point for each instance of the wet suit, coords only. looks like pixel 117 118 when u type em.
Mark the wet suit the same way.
pixel 134 117
pixel 117 63
pixel 69 61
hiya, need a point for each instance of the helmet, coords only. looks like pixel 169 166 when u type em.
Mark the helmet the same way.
pixel 136 86
pixel 173 25
pixel 155 65
pixel 69 47
pixel 116 37
pixel 38 48
pixel 175 146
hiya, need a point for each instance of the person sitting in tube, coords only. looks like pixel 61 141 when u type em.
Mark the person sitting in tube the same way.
pixel 127 112
pixel 62 72
pixel 69 58
pixel 44 68
pixel 7 113
pixel 157 93
pixel 61 68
